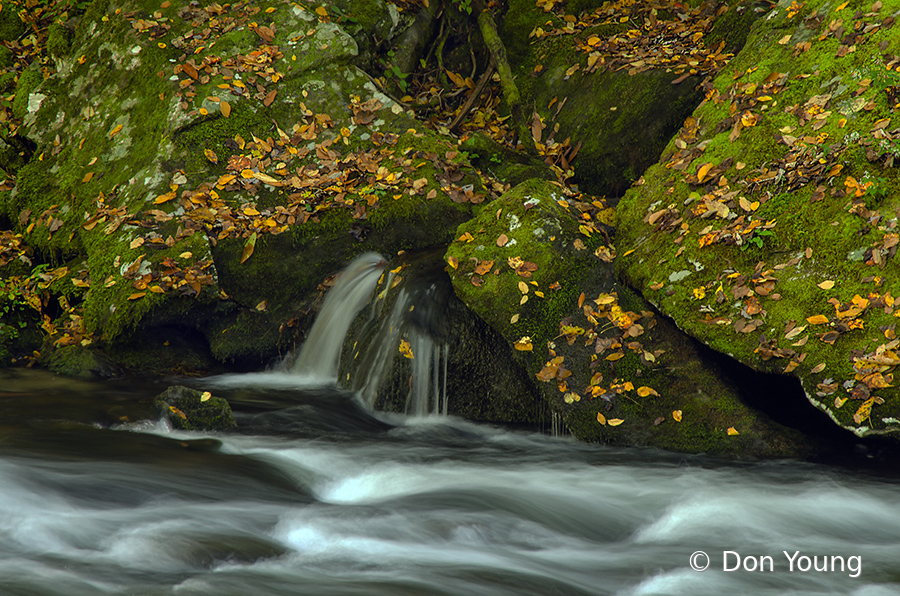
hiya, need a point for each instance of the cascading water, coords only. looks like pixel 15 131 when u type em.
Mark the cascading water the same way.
pixel 320 354
pixel 415 327
pixel 416 308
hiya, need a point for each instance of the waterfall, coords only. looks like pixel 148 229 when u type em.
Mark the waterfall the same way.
pixel 427 353
pixel 320 354
pixel 405 336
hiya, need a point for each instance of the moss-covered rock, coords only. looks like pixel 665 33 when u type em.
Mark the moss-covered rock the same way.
pixel 211 178
pixel 619 106
pixel 189 409
pixel 608 367
pixel 769 228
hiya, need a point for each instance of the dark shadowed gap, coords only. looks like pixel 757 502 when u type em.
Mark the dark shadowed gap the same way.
pixel 781 398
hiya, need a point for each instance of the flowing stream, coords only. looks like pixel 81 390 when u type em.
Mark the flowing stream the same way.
pixel 315 495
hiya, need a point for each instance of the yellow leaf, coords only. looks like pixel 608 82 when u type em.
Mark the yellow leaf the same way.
pixel 321 11
pixel 453 262
pixel 615 356
pixel 748 119
pixel 615 421
pixel 87 177
pixel 514 319
pixel 601 418
pixel 864 411
pixel 826 285
pixel 523 344
pixel 211 155
pixel 157 290
pixel 164 198
pixel 523 287
pixel 186 254
pixel 604 299
pixel 225 107
pixel 732 431
pixel 702 171
pixel 137 295
pixel 115 131
pixel 249 246
pixel 571 397
pixel 205 396
pixel 676 415
pixel 645 391
pixel 817 320
pixel 136 242
pixel 405 349
pixel 250 211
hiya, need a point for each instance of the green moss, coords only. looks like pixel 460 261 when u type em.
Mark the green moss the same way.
pixel 28 82
pixel 59 40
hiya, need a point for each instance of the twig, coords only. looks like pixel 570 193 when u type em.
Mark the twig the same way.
pixel 479 87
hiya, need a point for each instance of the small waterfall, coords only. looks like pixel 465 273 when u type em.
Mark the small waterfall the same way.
pixel 320 354
pixel 407 329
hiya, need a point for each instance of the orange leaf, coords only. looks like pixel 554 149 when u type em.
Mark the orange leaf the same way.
pixel 817 320
pixel 225 107
pixel 601 418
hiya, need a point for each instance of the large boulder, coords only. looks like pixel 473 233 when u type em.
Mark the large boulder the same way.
pixel 610 86
pixel 205 168
pixel 535 266
pixel 768 230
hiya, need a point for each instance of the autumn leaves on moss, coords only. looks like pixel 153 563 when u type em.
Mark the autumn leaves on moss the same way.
pixel 781 253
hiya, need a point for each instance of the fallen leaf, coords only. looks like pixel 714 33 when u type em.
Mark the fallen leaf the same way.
pixel 453 262
pixel 732 431
pixel 826 285
pixel 645 391
pixel 502 240
pixel 137 295
pixel 676 415
pixel 205 396
pixel 211 155
pixel 406 350
pixel 818 368
pixel 615 421
pixel 601 418
pixel 817 320
pixel 225 107
pixel 249 246
pixel 702 171
pixel 523 344
pixel 136 242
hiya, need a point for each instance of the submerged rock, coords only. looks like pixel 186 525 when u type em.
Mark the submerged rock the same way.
pixel 189 409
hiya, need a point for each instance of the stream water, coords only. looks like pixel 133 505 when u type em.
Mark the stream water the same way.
pixel 314 495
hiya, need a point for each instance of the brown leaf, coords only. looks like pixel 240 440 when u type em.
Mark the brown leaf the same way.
pixel 502 240
pixel 270 97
